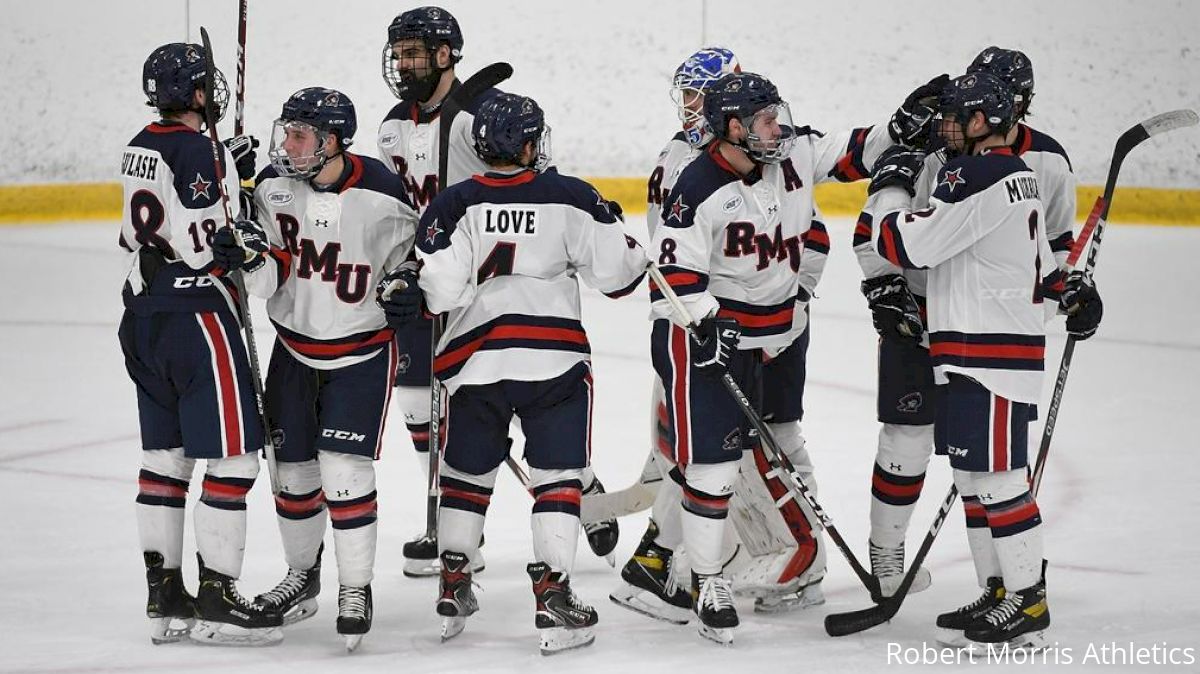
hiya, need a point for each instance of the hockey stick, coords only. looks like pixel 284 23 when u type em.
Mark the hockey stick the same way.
pixel 239 112
pixel 239 282
pixel 633 499
pixel 841 624
pixel 779 461
pixel 1168 121
pixel 458 99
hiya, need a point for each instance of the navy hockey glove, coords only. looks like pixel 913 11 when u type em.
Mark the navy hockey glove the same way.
pixel 240 246
pixel 713 342
pixel 399 295
pixel 1081 302
pixel 244 157
pixel 898 166
pixel 894 310
pixel 911 123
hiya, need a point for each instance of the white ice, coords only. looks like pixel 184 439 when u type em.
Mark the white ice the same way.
pixel 1120 500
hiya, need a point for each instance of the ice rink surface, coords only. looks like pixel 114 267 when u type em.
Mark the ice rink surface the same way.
pixel 1120 501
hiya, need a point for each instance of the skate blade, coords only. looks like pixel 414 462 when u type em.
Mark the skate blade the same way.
pixel 352 641
pixel 555 640
pixel 170 630
pixel 422 568
pixel 952 638
pixel 302 611
pixel 758 589
pixel 921 582
pixel 611 558
pixel 1030 642
pixel 807 597
pixel 224 634
pixel 646 603
pixel 452 626
pixel 720 635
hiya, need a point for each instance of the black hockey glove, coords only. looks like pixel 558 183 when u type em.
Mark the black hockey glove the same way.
pixel 713 342
pixel 240 246
pixel 1081 302
pixel 244 157
pixel 894 310
pixel 399 295
pixel 898 166
pixel 910 124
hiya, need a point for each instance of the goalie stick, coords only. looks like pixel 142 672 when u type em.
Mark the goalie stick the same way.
pixel 778 460
pixel 842 624
pixel 487 78
pixel 239 283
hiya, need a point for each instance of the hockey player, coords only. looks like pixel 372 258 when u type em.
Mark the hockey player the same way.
pixel 501 253
pixel 424 45
pixel 895 296
pixel 983 240
pixel 334 222
pixel 730 243
pixel 183 349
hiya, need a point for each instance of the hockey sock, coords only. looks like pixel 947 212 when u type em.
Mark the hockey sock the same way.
pixel 706 494
pixel 349 484
pixel 162 495
pixel 413 401
pixel 979 536
pixel 463 507
pixel 220 517
pixel 899 475
pixel 555 519
pixel 1015 524
pixel 301 512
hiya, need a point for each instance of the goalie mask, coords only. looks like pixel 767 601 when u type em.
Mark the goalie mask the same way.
pixel 692 78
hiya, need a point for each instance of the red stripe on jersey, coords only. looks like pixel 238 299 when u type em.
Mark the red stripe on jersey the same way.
pixel 356 171
pixel 518 179
pixel 1000 434
pixel 456 356
pixel 679 394
pixel 320 350
pixel 781 317
pixel 159 127
pixel 1021 351
pixel 226 386
pixel 819 236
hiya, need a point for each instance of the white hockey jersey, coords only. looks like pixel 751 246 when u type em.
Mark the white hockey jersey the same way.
pixel 408 146
pixel 329 248
pixel 172 203
pixel 1044 156
pixel 983 241
pixel 501 253
pixel 737 247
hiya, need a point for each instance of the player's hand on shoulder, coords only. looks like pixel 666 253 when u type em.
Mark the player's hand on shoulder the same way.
pixel 911 124
pixel 713 342
pixel 1081 302
pixel 240 246
pixel 398 294
pixel 894 310
pixel 898 166
pixel 244 156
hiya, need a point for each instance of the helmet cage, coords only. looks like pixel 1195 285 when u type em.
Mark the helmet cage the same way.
pixel 761 143
pixel 302 166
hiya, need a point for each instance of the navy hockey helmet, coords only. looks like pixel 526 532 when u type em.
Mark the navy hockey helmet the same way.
pixel 754 101
pixel 965 95
pixel 1011 66
pixel 308 118
pixel 504 124
pixel 434 26
pixel 172 74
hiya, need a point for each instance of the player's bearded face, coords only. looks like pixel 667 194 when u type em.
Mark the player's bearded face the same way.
pixel 412 59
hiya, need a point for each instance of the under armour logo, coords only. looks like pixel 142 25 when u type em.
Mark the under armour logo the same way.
pixel 342 493
pixel 321 223
pixel 419 157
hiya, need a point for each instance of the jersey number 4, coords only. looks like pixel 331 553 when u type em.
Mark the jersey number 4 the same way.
pixel 499 262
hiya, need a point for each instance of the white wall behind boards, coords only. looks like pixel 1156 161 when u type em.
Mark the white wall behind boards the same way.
pixel 70 70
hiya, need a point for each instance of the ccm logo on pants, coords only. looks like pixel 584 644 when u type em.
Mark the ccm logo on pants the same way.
pixel 342 435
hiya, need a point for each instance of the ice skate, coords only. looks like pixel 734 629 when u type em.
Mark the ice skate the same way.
pixel 421 558
pixel 355 611
pixel 887 565
pixel 172 611
pixel 296 595
pixel 226 618
pixel 1019 620
pixel 457 600
pixel 562 620
pixel 715 608
pixel 602 536
pixel 649 585
pixel 952 625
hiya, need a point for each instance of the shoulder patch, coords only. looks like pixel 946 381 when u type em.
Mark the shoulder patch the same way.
pixel 963 177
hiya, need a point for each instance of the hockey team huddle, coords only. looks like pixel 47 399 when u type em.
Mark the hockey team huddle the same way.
pixel 364 262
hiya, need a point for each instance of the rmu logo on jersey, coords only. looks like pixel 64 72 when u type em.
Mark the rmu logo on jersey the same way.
pixel 350 280
pixel 518 222
pixel 741 239
pixel 1021 188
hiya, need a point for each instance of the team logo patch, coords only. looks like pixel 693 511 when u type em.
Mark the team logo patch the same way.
pixel 952 179
pixel 733 441
pixel 277 437
pixel 677 210
pixel 403 363
pixel 432 233
pixel 199 187
pixel 911 403
pixel 280 198
pixel 733 204
pixel 191 55
pixel 332 98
